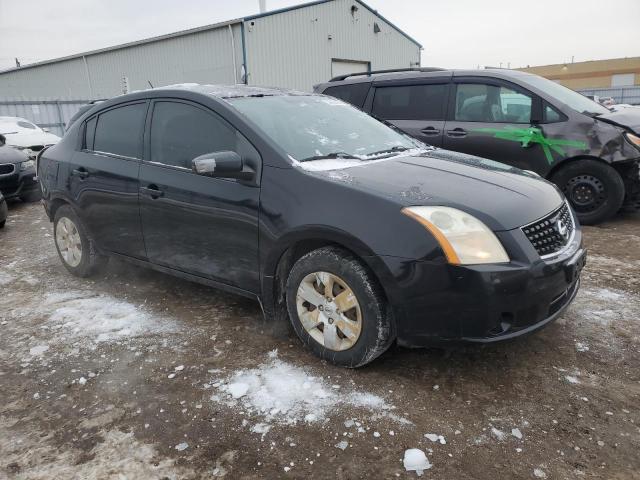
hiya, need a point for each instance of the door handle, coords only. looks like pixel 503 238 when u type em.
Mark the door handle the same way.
pixel 457 132
pixel 80 173
pixel 151 191
pixel 430 131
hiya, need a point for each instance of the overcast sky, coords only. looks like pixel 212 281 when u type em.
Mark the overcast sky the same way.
pixel 460 33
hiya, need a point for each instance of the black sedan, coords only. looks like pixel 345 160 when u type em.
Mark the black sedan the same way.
pixel 17 174
pixel 359 234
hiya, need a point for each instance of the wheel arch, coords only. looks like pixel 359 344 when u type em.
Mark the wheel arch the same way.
pixel 570 161
pixel 298 243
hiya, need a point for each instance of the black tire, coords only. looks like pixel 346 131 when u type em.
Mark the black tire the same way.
pixel 594 189
pixel 32 196
pixel 377 329
pixel 90 260
pixel 2 223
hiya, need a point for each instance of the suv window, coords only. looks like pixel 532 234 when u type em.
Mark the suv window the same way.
pixel 410 102
pixel 355 93
pixel 182 132
pixel 477 102
pixel 119 131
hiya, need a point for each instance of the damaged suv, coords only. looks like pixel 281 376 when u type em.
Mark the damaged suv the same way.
pixel 523 120
pixel 360 234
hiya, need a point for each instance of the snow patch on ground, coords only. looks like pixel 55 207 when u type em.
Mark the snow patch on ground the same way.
pixel 102 317
pixel 415 460
pixel 119 454
pixel 286 394
pixel 605 306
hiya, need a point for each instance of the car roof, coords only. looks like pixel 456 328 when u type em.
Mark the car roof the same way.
pixel 405 74
pixel 14 119
pixel 232 91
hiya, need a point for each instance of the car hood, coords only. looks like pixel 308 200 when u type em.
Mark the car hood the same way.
pixel 625 117
pixel 31 139
pixel 11 155
pixel 502 197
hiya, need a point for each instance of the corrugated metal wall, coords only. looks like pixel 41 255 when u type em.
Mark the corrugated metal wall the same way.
pixel 201 57
pixel 292 49
pixel 51 114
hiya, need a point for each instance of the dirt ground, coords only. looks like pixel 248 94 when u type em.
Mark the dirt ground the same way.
pixel 134 374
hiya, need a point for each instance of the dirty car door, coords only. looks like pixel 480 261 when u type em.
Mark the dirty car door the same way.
pixel 196 224
pixel 103 178
pixel 490 119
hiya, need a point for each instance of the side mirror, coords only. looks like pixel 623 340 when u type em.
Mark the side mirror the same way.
pixel 47 130
pixel 3 140
pixel 224 164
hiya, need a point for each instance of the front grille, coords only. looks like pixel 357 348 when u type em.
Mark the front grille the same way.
pixel 7 168
pixel 552 233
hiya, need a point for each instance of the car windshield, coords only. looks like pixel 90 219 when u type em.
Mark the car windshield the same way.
pixel 574 100
pixel 315 127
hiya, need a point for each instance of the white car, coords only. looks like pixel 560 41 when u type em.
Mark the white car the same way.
pixel 25 135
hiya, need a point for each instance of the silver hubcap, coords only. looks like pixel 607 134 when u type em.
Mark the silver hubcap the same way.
pixel 329 311
pixel 68 242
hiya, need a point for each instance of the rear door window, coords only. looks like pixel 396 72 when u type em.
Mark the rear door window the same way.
pixel 355 93
pixel 119 131
pixel 478 102
pixel 181 132
pixel 410 102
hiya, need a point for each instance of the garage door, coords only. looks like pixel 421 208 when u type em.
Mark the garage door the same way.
pixel 345 67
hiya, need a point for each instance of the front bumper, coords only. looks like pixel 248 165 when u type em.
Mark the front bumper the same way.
pixel 18 182
pixel 481 303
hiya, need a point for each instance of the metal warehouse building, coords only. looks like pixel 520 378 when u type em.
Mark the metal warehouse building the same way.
pixel 294 47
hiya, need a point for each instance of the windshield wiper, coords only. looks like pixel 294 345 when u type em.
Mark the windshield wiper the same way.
pixel 332 155
pixel 395 149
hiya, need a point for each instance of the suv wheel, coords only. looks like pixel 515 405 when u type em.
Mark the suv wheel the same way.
pixel 594 189
pixel 337 309
pixel 76 250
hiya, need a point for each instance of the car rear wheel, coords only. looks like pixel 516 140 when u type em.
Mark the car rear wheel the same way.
pixel 337 308
pixel 594 189
pixel 77 252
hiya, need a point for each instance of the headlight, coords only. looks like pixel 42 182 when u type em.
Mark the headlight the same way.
pixel 464 239
pixel 27 164
pixel 633 139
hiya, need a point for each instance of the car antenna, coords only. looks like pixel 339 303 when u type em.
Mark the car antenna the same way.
pixel 150 84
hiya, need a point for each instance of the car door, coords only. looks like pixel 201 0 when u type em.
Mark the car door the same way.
pixel 197 224
pixel 103 178
pixel 416 108
pixel 493 119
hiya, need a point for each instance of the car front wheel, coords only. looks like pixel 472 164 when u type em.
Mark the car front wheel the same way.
pixel 594 189
pixel 337 308
pixel 77 252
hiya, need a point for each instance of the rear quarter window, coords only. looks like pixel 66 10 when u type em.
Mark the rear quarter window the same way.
pixel 355 93
pixel 119 131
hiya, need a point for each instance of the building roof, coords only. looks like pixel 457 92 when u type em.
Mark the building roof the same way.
pixel 190 31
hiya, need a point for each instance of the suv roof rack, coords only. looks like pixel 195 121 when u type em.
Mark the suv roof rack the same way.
pixel 392 70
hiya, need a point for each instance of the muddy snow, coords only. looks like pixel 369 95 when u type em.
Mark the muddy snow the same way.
pixel 135 374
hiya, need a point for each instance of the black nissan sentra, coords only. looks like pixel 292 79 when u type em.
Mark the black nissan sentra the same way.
pixel 359 234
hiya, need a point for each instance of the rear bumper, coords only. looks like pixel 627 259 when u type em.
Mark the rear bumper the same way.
pixel 483 303
pixel 18 183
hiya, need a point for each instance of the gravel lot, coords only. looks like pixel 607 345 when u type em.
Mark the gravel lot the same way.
pixel 135 374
